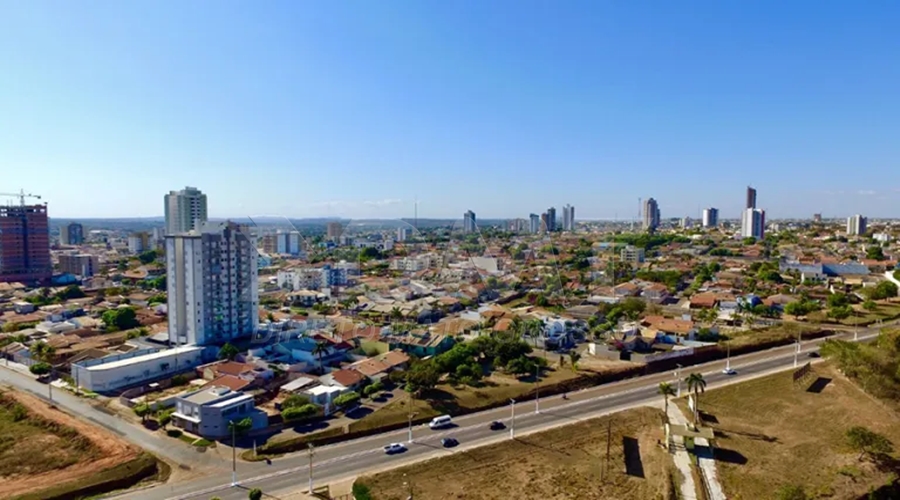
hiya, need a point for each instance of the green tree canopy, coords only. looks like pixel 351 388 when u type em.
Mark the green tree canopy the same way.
pixel 228 351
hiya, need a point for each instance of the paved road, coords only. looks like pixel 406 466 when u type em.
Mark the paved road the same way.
pixel 351 458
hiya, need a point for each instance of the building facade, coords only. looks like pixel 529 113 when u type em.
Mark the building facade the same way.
pixel 24 244
pixel 138 242
pixel 857 225
pixel 568 218
pixel 334 230
pixel 551 219
pixel 84 265
pixel 287 243
pixel 710 217
pixel 751 198
pixel 469 225
pixel 71 234
pixel 651 215
pixel 534 223
pixel 632 254
pixel 209 411
pixel 753 223
pixel 404 233
pixel 185 210
pixel 213 293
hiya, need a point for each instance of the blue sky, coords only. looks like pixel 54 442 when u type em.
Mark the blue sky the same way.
pixel 354 109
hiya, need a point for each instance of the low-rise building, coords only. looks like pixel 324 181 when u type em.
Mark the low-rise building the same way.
pixel 84 265
pixel 137 367
pixel 208 412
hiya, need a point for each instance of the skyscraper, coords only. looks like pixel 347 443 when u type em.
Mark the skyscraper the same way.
pixel 212 284
pixel 287 242
pixel 568 218
pixel 751 197
pixel 710 217
pixel 753 223
pixel 71 234
pixel 185 210
pixel 24 244
pixel 651 215
pixel 545 222
pixel 469 222
pixel 334 230
pixel 534 223
pixel 856 225
pixel 551 219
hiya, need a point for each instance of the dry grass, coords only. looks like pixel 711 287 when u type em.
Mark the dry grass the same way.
pixel 771 434
pixel 563 463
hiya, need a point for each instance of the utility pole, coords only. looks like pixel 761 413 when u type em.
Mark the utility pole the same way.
pixel 537 389
pixel 796 354
pixel 311 453
pixel 410 415
pixel 728 356
pixel 50 385
pixel 512 425
pixel 678 378
pixel 234 481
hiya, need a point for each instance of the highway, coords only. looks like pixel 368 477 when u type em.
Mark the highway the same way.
pixel 348 459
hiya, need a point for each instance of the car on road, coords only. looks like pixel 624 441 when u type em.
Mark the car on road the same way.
pixel 449 442
pixel 440 422
pixel 729 371
pixel 813 354
pixel 394 448
pixel 497 425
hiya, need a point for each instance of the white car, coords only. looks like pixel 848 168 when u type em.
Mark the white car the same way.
pixel 394 448
pixel 729 371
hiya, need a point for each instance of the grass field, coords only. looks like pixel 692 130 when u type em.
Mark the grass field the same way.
pixel 563 463
pixel 771 434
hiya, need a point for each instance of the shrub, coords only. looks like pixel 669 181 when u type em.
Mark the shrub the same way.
pixel 174 433
pixel 255 494
pixel 40 368
pixel 294 401
pixel 373 389
pixel 179 380
pixel 361 491
pixel 299 412
pixel 348 399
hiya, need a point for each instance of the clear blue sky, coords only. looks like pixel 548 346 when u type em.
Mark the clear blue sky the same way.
pixel 321 108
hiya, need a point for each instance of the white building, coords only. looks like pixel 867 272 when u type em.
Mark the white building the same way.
pixel 185 210
pixel 112 373
pixel 710 217
pixel 632 254
pixel 287 243
pixel 404 233
pixel 534 223
pixel 212 284
pixel 469 225
pixel 568 218
pixel 138 242
pixel 208 412
pixel 856 225
pixel 411 264
pixel 753 223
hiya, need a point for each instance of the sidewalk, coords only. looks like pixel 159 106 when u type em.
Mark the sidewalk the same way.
pixel 682 459
pixel 704 458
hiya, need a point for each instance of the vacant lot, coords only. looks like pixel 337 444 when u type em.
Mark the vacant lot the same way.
pixel 563 463
pixel 41 447
pixel 772 434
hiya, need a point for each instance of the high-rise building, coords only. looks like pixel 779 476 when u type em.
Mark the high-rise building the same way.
pixel 404 233
pixel 71 234
pixel 534 223
pixel 753 223
pixel 287 242
pixel 24 244
pixel 817 218
pixel 469 225
pixel 568 218
pixel 710 217
pixel 551 219
pixel 651 215
pixel 185 210
pixel 545 222
pixel 856 225
pixel 212 284
pixel 632 254
pixel 138 242
pixel 84 265
pixel 270 244
pixel 751 197
pixel 686 222
pixel 334 230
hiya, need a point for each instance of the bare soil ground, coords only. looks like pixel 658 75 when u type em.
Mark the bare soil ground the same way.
pixel 770 434
pixel 43 447
pixel 563 463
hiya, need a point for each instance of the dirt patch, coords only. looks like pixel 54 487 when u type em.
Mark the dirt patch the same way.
pixel 564 463
pixel 771 433
pixel 59 447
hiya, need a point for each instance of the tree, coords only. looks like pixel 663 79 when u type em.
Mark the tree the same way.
pixel 868 442
pixel 319 351
pixel 522 365
pixel 255 494
pixel 270 317
pixel 574 357
pixel 347 400
pixel 422 376
pixel 837 300
pixel 295 401
pixel 696 384
pixel 122 318
pixel 840 312
pixel 240 426
pixel 666 391
pixel 870 305
pixel 42 351
pixel 875 252
pixel 148 256
pixel 40 368
pixel 228 351
pixel 792 492
pixel 883 290
pixel 142 410
pixel 164 417
pixel 299 412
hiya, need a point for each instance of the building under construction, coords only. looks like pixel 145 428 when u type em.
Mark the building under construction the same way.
pixel 24 244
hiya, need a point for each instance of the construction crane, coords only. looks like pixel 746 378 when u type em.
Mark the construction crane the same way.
pixel 21 195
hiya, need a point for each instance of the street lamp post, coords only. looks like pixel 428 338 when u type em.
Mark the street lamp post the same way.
pixel 537 389
pixel 512 425
pixel 234 481
pixel 311 453
pixel 412 415
pixel 796 354
pixel 678 378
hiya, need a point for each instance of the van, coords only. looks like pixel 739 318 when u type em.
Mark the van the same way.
pixel 440 422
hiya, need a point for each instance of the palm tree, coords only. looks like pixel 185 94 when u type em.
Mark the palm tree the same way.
pixel 517 326
pixel 667 391
pixel 697 384
pixel 573 360
pixel 320 350
pixel 396 314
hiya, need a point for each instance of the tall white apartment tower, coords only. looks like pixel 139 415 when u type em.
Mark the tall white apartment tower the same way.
pixel 568 218
pixel 185 210
pixel 710 217
pixel 469 225
pixel 856 225
pixel 753 223
pixel 212 284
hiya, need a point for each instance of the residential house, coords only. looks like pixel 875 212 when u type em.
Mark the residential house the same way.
pixel 704 301
pixel 656 292
pixel 346 380
pixel 378 367
pixel 207 412
pixel 627 289
pixel 420 344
